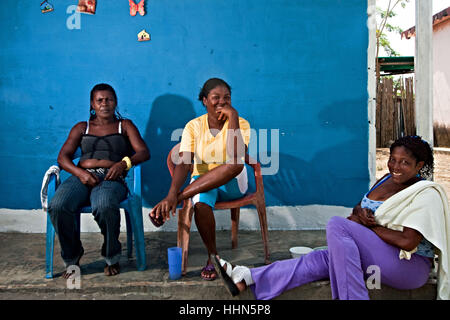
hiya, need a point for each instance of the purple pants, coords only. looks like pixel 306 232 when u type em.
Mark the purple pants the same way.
pixel 352 248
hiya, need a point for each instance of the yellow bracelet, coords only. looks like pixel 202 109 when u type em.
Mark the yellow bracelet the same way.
pixel 128 161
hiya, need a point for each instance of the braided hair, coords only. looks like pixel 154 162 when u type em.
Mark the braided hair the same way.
pixel 420 150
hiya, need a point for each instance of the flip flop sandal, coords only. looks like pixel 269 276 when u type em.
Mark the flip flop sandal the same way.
pixel 156 222
pixel 210 269
pixel 225 275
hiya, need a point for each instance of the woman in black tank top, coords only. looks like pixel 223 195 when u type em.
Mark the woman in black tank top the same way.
pixel 110 146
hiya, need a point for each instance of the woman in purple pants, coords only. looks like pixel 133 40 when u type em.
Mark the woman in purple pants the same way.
pixel 358 245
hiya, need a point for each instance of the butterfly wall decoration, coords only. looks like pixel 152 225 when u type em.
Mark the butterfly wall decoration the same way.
pixel 134 8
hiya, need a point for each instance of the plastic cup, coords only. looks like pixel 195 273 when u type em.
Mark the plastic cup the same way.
pixel 174 258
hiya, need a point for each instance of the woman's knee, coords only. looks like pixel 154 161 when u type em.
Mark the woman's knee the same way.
pixel 336 222
pixel 68 197
pixel 338 226
pixel 202 208
pixel 54 206
pixel 234 168
pixel 107 198
pixel 105 208
pixel 203 213
pixel 59 204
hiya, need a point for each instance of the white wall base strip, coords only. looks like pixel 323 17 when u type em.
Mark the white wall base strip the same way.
pixel 311 217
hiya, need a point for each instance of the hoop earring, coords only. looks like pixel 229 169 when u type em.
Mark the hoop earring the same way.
pixel 93 112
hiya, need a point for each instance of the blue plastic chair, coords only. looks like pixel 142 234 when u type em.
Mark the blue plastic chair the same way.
pixel 133 217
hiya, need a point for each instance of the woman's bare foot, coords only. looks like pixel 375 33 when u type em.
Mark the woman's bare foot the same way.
pixel 66 275
pixel 112 270
pixel 208 272
pixel 241 286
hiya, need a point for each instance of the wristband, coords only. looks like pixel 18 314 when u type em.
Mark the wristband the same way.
pixel 128 162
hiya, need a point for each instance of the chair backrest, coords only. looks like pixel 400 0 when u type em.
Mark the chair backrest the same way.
pixel 174 157
pixel 259 185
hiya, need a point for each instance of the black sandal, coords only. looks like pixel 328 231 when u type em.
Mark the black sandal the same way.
pixel 226 279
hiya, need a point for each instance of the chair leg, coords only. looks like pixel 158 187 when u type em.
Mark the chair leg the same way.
pixel 137 225
pixel 129 234
pixel 184 228
pixel 235 212
pixel 49 249
pixel 261 208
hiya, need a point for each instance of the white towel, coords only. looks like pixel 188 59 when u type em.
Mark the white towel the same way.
pixel 44 194
pixel 422 207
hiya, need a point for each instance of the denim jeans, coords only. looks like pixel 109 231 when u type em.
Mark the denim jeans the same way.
pixel 104 199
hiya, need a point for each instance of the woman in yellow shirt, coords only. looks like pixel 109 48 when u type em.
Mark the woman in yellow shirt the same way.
pixel 213 146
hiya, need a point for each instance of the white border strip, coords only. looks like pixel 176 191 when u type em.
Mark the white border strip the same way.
pixel 311 217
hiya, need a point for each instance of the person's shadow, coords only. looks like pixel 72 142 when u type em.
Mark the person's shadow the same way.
pixel 336 173
pixel 169 113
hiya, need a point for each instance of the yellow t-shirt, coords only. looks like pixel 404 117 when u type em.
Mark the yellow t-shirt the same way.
pixel 209 151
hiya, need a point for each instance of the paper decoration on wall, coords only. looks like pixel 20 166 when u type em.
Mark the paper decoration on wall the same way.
pixel 134 8
pixel 46 7
pixel 87 6
pixel 143 36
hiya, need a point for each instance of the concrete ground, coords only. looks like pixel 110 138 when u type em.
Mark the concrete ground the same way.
pixel 22 269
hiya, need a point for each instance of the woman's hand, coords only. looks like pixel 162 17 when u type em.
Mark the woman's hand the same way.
pixel 354 218
pixel 363 216
pixel 116 170
pixel 226 112
pixel 88 178
pixel 164 207
pixel 367 218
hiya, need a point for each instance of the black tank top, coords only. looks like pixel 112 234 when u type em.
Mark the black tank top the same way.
pixel 111 147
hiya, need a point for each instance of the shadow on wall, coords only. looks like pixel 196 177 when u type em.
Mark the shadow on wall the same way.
pixel 169 112
pixel 300 182
pixel 335 175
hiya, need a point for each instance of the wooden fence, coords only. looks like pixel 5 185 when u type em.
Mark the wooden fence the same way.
pixel 395 110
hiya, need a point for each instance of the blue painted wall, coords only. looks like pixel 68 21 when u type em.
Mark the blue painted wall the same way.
pixel 297 66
